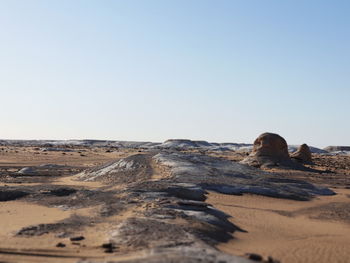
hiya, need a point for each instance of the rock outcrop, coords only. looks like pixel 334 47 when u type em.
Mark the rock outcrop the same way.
pixel 269 150
pixel 228 177
pixel 303 154
pixel 127 170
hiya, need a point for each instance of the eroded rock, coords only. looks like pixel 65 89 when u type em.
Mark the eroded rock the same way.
pixel 303 154
pixel 230 177
pixel 269 150
pixel 130 169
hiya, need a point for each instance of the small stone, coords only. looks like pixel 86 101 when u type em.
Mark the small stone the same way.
pixel 78 238
pixel 109 247
pixel 255 257
pixel 272 260
pixel 60 245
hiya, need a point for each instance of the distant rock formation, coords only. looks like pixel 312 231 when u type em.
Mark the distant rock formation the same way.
pixel 269 150
pixel 184 143
pixel 303 154
pixel 294 148
pixel 337 149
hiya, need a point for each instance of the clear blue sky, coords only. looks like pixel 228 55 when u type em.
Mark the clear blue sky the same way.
pixel 152 70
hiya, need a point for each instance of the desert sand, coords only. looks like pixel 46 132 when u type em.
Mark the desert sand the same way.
pixel 114 199
pixel 292 231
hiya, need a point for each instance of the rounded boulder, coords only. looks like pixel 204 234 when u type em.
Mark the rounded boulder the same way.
pixel 269 149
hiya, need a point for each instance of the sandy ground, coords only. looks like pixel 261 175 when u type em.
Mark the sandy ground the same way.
pixel 291 231
pixel 15 215
pixel 284 229
pixel 85 157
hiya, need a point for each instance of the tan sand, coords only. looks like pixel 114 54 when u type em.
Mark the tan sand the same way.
pixel 15 215
pixel 27 156
pixel 284 230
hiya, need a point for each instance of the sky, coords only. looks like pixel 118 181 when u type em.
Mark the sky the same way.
pixel 147 70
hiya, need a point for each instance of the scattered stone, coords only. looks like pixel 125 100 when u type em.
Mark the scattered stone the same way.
pixel 64 191
pixel 36 230
pixel 66 226
pixel 155 233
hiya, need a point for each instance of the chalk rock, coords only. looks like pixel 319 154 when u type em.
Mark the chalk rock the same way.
pixel 269 150
pixel 303 154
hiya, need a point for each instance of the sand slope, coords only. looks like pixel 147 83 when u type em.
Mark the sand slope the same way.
pixel 291 231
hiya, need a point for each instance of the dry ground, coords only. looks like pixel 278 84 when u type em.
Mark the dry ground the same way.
pixel 291 231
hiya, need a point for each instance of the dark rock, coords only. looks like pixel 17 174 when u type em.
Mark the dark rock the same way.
pixel 255 257
pixel 77 238
pixel 60 244
pixel 67 226
pixel 141 233
pixel 191 193
pixel 109 247
pixel 64 191
pixel 8 195
pixel 37 230
pixel 272 260
pixel 192 203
